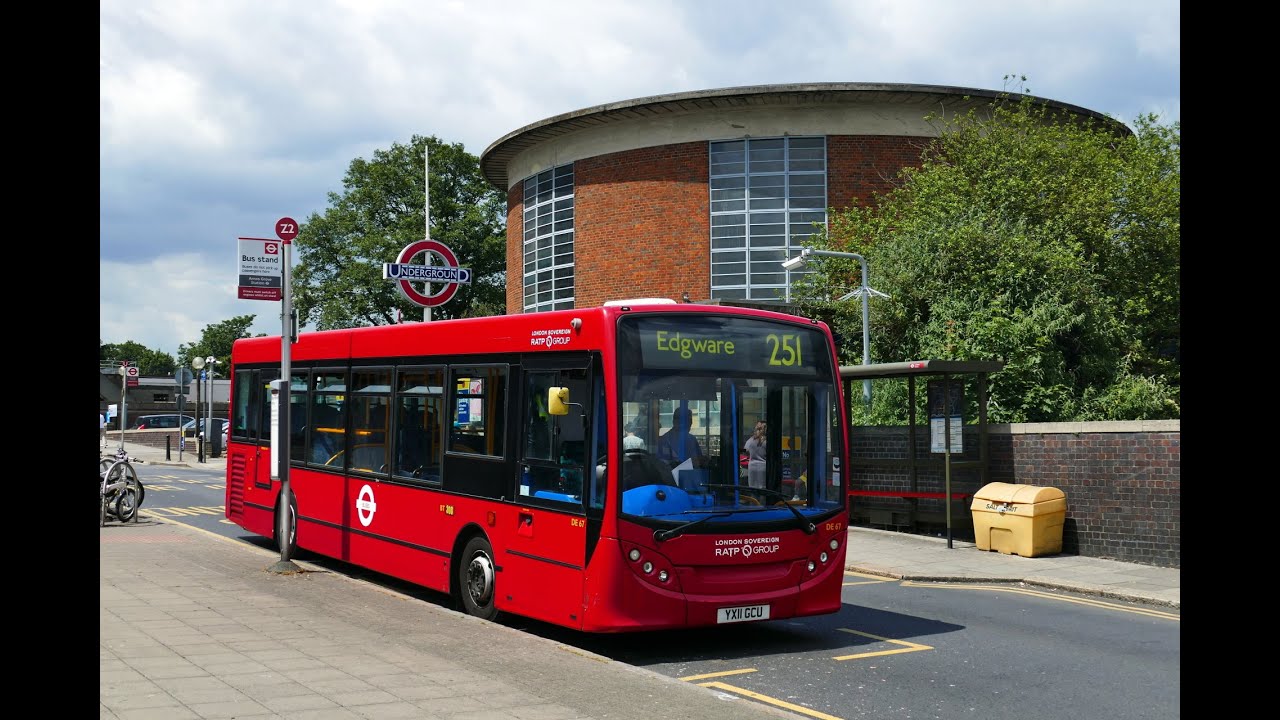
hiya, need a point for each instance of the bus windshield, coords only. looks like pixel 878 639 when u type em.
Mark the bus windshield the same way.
pixel 727 420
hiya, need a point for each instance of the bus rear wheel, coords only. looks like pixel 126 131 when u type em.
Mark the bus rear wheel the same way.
pixel 476 579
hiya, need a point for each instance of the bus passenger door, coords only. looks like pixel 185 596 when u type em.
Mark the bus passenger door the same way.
pixel 543 573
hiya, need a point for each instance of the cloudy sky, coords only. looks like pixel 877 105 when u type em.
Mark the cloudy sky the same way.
pixel 218 118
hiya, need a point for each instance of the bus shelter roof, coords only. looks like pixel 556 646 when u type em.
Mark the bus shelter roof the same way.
pixel 918 367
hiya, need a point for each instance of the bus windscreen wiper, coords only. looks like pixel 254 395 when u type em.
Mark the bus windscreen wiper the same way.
pixel 677 531
pixel 808 527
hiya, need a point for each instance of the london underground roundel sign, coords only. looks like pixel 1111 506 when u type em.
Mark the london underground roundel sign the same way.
pixel 448 274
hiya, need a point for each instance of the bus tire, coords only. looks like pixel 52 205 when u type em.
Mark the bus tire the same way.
pixel 287 527
pixel 477 576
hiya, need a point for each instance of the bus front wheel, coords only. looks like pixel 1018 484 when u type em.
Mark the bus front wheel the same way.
pixel 476 578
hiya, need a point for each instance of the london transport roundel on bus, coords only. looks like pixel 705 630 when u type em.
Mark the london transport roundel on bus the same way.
pixel 448 275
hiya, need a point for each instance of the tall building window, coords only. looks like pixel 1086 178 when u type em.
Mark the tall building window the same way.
pixel 548 240
pixel 766 196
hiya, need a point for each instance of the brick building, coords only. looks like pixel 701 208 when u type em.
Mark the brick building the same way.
pixel 701 194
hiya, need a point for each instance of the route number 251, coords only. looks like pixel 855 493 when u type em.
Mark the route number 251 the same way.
pixel 784 349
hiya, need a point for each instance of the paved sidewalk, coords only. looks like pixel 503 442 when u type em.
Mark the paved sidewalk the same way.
pixel 192 625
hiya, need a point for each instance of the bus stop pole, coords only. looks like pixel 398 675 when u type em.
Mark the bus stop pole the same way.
pixel 287 520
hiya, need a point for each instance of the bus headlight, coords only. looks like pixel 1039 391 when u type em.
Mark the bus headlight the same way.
pixel 811 566
pixel 634 554
pixel 662 575
pixel 647 567
pixel 823 557
pixel 834 543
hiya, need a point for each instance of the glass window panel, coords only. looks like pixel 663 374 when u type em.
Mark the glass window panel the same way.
pixel 728 256
pixel 728 279
pixel 806 196
pixel 767 293
pixel 737 193
pixel 723 293
pixel 767 185
pixel 768 278
pixel 808 218
pixel 760 226
pixel 767 203
pixel 729 242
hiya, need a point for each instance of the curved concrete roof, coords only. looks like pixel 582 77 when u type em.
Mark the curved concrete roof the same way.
pixel 496 158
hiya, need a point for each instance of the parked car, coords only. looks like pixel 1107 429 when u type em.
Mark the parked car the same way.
pixel 153 422
pixel 219 425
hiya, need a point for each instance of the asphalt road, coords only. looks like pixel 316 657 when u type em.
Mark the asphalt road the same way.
pixel 896 649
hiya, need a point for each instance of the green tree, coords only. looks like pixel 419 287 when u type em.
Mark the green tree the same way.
pixel 1030 236
pixel 338 281
pixel 216 340
pixel 150 363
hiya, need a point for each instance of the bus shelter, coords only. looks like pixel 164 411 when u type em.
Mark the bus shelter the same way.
pixel 907 470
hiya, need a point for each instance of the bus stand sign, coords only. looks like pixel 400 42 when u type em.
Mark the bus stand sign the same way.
pixel 405 273
pixel 261 268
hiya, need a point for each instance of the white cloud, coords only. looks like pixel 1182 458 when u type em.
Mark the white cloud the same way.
pixel 219 118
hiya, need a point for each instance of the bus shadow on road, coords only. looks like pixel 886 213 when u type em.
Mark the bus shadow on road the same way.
pixel 852 630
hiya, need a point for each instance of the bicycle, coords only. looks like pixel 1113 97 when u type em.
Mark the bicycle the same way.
pixel 120 491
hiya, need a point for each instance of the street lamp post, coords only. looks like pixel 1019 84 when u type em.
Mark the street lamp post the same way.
pixel 209 362
pixel 199 363
pixel 864 292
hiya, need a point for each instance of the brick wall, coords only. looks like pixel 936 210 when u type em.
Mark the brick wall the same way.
pixel 1122 480
pixel 858 166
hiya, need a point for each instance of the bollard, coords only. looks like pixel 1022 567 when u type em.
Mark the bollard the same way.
pixel 167 456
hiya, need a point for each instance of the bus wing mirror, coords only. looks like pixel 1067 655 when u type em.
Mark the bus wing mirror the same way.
pixel 558 401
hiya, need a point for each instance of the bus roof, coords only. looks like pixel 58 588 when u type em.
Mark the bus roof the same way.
pixel 577 329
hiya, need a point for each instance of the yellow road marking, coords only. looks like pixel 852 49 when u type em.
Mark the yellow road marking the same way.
pixel 187 511
pixel 907 647
pixel 869 579
pixel 1051 596
pixel 704 676
pixel 769 700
